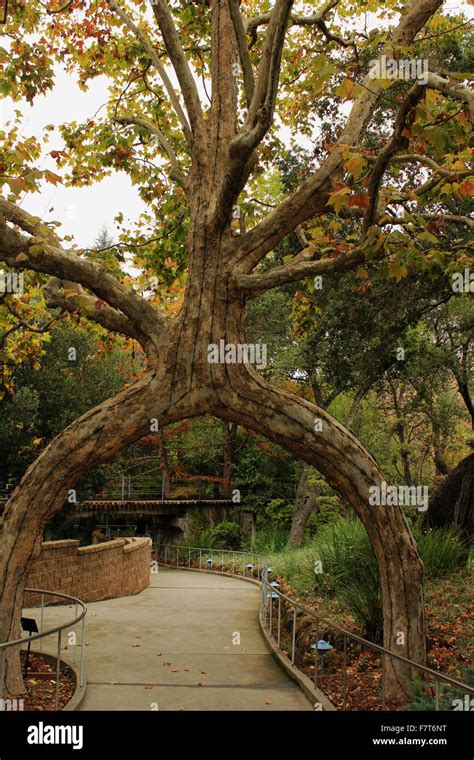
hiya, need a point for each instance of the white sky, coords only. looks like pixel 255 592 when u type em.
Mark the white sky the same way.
pixel 83 211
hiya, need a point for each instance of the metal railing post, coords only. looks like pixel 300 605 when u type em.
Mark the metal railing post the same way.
pixel 2 671
pixel 41 621
pixel 189 557
pixel 382 682
pixel 233 563
pixel 200 559
pixel 58 668
pixel 437 694
pixel 75 637
pixel 83 646
pixel 177 556
pixel 279 620
pixel 344 676
pixel 293 643
pixel 166 553
pixel 222 563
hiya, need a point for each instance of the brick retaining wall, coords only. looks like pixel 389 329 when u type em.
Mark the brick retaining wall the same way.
pixel 102 571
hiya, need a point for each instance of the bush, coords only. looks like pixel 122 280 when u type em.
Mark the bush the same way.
pixel 350 571
pixel 422 699
pixel 271 539
pixel 441 551
pixel 225 535
pixel 280 512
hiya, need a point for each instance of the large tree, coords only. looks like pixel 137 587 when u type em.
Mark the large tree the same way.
pixel 249 57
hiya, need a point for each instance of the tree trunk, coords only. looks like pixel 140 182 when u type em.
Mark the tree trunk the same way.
pixel 164 467
pixel 230 433
pixel 94 438
pixel 401 435
pixel 452 502
pixel 305 503
pixel 351 471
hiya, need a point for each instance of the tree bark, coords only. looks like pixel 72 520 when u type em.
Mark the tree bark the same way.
pixel 164 466
pixel 230 433
pixel 305 504
pixel 452 502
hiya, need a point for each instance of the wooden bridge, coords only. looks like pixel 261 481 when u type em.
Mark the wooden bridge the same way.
pixel 160 507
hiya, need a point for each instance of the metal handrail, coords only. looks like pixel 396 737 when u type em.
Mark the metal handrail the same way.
pixel 44 634
pixel 262 570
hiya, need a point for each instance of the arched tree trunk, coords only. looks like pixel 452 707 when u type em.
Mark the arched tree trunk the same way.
pixel 351 471
pixel 94 438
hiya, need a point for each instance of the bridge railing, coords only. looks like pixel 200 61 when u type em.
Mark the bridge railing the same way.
pixel 279 616
pixel 79 617
pixel 148 486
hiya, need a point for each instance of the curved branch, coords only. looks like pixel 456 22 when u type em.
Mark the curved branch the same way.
pixel 42 253
pixel 398 140
pixel 71 297
pixel 244 54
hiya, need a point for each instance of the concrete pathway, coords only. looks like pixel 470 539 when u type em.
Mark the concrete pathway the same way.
pixel 191 641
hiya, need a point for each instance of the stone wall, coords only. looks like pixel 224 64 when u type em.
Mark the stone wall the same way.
pixel 103 571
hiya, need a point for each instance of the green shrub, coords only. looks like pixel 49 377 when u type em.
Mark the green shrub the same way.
pixel 441 551
pixel 225 535
pixel 350 570
pixel 423 700
pixel 270 539
pixel 280 512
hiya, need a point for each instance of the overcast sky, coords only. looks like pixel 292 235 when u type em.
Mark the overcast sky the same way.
pixel 82 211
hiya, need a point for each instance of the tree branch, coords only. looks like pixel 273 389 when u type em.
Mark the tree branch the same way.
pixel 183 72
pixel 42 253
pixel 398 140
pixel 172 94
pixel 300 268
pixel 311 196
pixel 175 173
pixel 244 54
pixel 261 108
pixel 451 89
pixel 71 297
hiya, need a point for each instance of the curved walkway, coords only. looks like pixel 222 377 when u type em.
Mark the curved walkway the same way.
pixel 190 641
